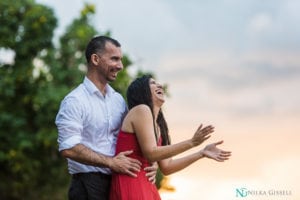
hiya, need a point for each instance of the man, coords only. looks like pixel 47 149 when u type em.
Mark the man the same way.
pixel 88 122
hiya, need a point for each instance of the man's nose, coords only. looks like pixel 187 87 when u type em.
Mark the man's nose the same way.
pixel 120 66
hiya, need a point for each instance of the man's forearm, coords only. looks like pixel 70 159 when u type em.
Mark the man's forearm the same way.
pixel 85 155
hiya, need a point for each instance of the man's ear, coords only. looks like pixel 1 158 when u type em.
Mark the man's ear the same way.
pixel 95 59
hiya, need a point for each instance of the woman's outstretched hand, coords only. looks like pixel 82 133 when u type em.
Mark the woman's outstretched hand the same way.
pixel 211 151
pixel 202 134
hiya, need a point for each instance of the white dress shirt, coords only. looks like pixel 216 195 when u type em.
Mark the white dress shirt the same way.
pixel 89 118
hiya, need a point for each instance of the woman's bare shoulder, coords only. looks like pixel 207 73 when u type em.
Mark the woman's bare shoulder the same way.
pixel 139 112
pixel 136 115
pixel 142 108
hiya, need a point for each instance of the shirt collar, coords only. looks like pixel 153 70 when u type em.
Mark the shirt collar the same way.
pixel 92 89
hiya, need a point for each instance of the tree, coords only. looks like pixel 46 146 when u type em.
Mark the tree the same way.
pixel 27 29
pixel 31 88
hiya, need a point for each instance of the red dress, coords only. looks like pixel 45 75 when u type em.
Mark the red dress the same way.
pixel 124 187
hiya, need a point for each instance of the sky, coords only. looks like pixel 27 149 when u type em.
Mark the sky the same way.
pixel 233 64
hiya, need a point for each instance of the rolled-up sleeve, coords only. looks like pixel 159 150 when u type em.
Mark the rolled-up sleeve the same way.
pixel 69 124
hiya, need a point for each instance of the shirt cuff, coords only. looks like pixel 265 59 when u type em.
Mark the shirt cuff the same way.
pixel 69 143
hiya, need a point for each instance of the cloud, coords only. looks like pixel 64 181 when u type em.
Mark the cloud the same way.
pixel 260 23
pixel 252 83
pixel 145 28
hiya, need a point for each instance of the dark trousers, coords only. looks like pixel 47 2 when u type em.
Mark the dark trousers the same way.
pixel 90 186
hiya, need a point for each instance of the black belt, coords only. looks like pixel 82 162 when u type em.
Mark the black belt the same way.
pixel 99 174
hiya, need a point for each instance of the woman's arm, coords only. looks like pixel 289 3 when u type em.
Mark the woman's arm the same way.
pixel 142 123
pixel 169 166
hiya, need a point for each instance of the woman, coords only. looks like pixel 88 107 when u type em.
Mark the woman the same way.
pixel 145 131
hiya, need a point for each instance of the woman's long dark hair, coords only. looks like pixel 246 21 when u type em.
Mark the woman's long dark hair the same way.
pixel 138 93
